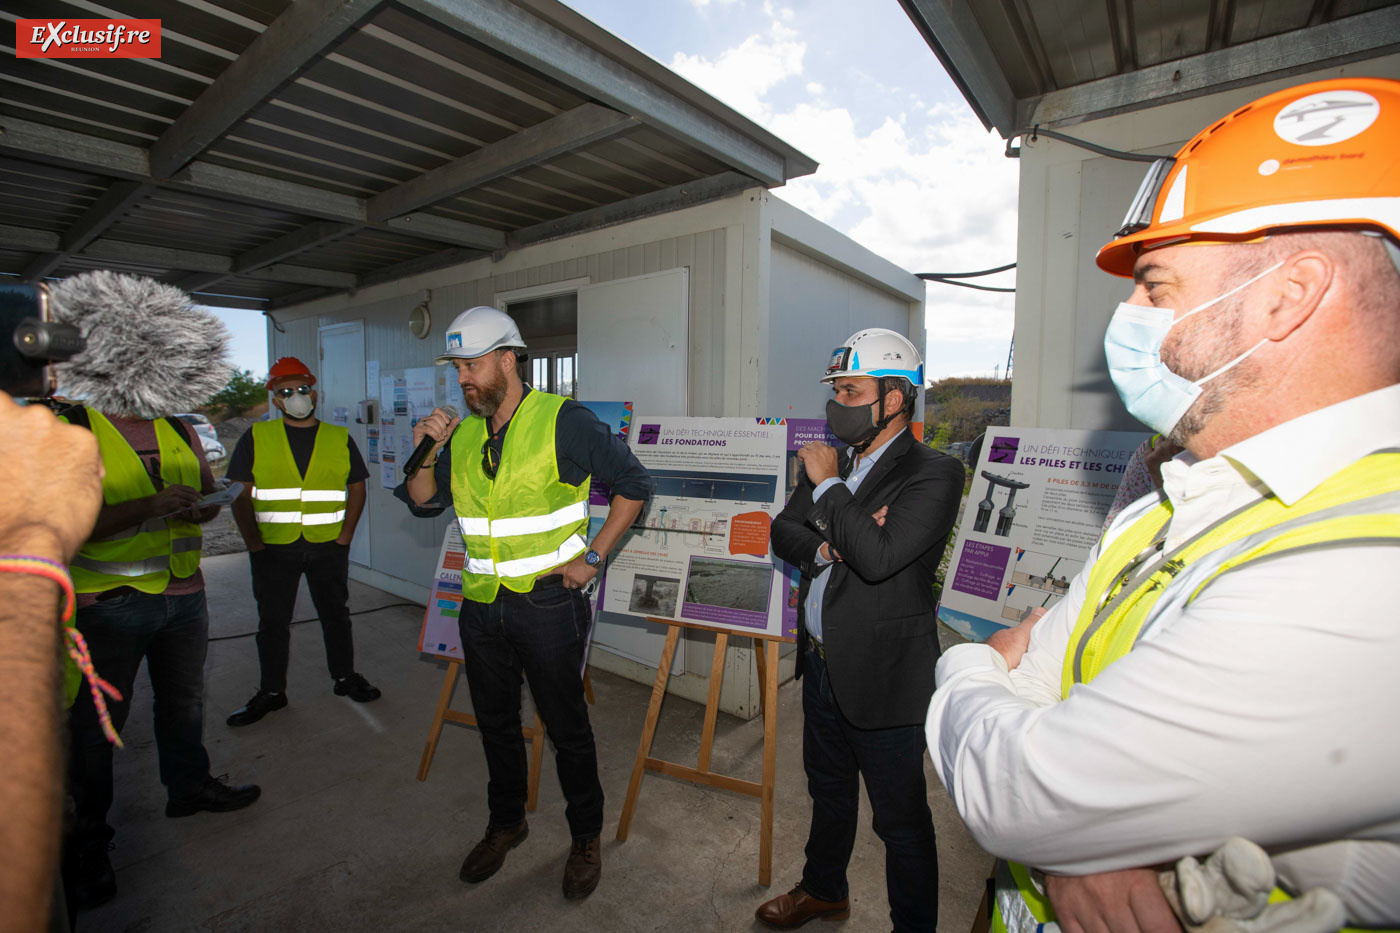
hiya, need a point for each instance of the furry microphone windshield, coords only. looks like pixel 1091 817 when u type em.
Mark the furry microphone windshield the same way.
pixel 150 352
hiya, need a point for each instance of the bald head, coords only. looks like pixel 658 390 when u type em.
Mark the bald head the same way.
pixel 1362 300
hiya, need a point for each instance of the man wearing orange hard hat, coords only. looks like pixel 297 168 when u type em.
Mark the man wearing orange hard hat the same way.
pixel 1222 672
pixel 304 491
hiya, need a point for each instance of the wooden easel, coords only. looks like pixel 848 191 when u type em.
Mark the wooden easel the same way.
pixel 532 734
pixel 767 659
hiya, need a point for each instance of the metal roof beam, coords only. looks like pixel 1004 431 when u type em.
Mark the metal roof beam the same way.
pixel 1364 35
pixel 305 275
pixel 211 264
pixel 13 237
pixel 232 301
pixel 247 187
pixel 430 263
pixel 297 297
pixel 516 33
pixel 104 212
pixel 54 146
pixel 656 202
pixel 573 129
pixel 306 30
pixel 298 241
pixel 951 29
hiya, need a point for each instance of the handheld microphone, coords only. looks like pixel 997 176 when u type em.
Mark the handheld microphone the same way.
pixel 425 446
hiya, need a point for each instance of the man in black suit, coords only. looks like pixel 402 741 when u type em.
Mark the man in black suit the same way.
pixel 867 526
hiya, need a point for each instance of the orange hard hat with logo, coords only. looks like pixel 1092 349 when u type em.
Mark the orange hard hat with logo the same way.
pixel 289 367
pixel 1324 154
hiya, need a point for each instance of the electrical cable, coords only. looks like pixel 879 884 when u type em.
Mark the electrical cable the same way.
pixel 950 278
pixel 1092 147
pixel 318 618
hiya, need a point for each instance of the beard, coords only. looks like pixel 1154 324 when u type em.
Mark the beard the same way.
pixel 488 396
pixel 1200 352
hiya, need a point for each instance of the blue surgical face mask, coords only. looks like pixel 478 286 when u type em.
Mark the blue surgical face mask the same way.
pixel 1152 393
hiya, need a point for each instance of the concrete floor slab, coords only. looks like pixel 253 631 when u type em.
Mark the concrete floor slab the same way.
pixel 344 838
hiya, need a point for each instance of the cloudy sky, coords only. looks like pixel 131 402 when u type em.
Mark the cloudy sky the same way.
pixel 906 168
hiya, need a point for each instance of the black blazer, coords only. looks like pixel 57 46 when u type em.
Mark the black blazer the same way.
pixel 878 625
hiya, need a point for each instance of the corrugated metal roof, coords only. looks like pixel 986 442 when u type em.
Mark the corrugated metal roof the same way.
pixel 1025 62
pixel 278 151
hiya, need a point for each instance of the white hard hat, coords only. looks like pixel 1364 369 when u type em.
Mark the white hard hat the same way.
pixel 477 331
pixel 879 353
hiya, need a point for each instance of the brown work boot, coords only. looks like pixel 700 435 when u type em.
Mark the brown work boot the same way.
pixel 490 853
pixel 583 869
pixel 790 910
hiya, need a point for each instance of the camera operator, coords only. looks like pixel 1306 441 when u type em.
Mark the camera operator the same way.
pixel 45 516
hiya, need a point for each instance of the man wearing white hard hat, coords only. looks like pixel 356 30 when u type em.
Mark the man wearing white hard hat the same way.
pixel 517 473
pixel 867 525
pixel 1224 665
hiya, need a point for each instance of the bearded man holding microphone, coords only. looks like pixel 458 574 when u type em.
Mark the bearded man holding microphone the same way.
pixel 517 472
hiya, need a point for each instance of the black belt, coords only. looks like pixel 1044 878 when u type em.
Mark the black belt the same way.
pixel 553 579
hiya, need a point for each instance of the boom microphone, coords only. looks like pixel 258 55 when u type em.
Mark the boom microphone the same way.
pixel 150 351
pixel 425 446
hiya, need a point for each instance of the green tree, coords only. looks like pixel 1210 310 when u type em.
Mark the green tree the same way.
pixel 242 392
pixel 942 436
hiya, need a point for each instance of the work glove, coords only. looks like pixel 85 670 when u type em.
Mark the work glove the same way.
pixel 1229 893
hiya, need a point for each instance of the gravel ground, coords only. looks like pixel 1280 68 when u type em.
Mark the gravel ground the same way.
pixel 221 535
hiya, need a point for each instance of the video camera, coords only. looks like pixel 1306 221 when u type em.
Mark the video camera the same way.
pixel 31 341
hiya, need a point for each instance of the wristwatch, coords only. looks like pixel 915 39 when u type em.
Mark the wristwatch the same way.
pixel 592 558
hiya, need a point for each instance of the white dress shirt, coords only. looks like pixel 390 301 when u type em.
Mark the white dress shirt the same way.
pixel 1266 709
pixel 812 608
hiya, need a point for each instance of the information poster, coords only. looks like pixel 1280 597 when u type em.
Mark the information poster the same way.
pixel 701 553
pixel 1036 507
pixel 440 634
pixel 800 432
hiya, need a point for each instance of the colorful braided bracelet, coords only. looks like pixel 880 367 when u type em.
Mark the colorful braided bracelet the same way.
pixel 73 639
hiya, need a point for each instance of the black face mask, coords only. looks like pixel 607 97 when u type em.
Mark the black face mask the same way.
pixel 852 423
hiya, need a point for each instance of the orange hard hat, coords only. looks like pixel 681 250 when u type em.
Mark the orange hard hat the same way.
pixel 289 367
pixel 1323 154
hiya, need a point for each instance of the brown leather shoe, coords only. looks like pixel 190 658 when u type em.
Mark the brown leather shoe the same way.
pixel 583 869
pixel 490 853
pixel 791 910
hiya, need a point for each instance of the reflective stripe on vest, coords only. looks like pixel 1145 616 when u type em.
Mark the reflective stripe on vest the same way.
pixel 1135 581
pixel 288 506
pixel 144 556
pixel 525 522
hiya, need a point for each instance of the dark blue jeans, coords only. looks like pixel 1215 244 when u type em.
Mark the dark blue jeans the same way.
pixel 172 634
pixel 835 754
pixel 542 635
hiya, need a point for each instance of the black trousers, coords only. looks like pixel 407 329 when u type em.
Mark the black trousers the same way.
pixel 277 573
pixel 540 635
pixel 836 755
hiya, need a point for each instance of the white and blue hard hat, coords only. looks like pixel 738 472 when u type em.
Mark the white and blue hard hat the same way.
pixel 477 331
pixel 878 353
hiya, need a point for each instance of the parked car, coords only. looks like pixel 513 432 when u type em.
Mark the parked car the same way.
pixel 213 448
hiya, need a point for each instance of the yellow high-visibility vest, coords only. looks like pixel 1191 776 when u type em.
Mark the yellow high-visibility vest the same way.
pixel 147 555
pixel 525 522
pixel 1135 582
pixel 287 505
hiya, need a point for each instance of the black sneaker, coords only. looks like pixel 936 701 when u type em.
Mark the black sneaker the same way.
pixel 259 706
pixel 356 688
pixel 216 796
pixel 91 880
